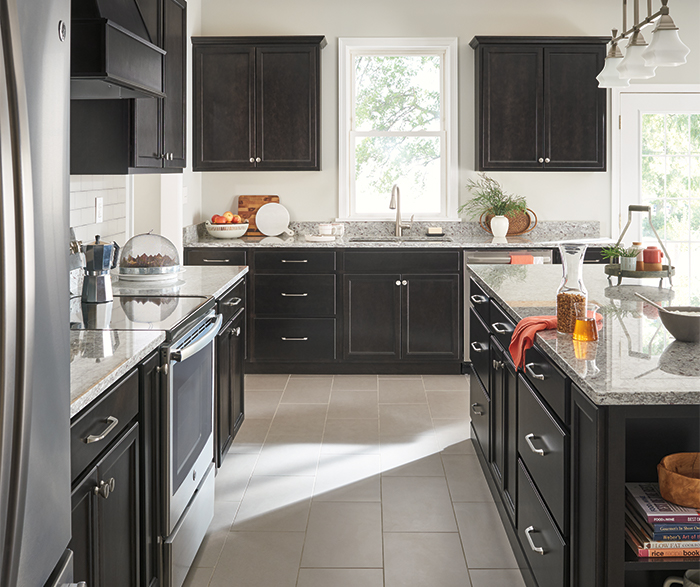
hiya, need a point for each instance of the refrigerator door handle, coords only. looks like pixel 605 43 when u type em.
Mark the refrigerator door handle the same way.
pixel 18 269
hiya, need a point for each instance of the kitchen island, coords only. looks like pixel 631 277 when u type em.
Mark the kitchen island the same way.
pixel 559 439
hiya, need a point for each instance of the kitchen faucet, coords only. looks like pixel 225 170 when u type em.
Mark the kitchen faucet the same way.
pixel 395 203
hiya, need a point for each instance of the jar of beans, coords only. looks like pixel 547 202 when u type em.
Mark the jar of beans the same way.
pixel 571 290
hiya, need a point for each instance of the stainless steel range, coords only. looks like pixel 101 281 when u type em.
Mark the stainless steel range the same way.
pixel 187 381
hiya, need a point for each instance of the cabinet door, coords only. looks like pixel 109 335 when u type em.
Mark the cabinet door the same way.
pixel 223 408
pixel 510 430
pixel 224 107
pixel 287 97
pixel 118 513
pixel 84 529
pixel 173 106
pixel 237 357
pixel 510 108
pixel 431 316
pixel 574 108
pixel 372 312
pixel 498 413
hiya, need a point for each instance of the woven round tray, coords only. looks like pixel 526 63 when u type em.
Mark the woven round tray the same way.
pixel 679 479
pixel 521 223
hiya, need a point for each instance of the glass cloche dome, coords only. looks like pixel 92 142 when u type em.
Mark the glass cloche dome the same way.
pixel 149 256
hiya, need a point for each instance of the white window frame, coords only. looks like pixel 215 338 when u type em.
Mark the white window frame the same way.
pixel 446 48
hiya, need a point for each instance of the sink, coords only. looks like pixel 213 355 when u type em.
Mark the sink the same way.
pixel 399 239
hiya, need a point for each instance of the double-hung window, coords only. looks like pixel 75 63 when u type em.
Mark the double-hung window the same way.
pixel 398 126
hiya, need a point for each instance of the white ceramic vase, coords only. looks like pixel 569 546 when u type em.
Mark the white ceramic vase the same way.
pixel 499 226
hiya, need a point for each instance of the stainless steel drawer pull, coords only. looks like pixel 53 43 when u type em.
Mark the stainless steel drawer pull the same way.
pixel 537 549
pixel 295 260
pixel 290 295
pixel 233 302
pixel 497 327
pixel 537 451
pixel 477 348
pixel 289 338
pixel 531 373
pixel 478 412
pixel 112 421
pixel 216 260
pixel 478 299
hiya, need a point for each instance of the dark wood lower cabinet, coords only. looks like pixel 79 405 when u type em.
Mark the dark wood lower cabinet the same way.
pixel 229 412
pixel 106 517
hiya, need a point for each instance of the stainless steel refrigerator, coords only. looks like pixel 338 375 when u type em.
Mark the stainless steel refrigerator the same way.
pixel 35 504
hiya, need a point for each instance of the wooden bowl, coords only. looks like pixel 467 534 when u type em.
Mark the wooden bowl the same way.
pixel 679 479
pixel 519 224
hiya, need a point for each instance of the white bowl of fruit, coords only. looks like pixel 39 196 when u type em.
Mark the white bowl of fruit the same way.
pixel 226 225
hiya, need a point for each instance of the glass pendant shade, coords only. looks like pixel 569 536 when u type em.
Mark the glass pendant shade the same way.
pixel 666 49
pixel 633 65
pixel 609 77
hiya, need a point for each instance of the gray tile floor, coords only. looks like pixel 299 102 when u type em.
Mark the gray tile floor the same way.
pixel 354 481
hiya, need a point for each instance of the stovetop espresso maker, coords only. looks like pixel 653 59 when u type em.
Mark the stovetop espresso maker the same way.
pixel 100 257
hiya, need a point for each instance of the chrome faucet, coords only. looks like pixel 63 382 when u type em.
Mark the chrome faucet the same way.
pixel 395 204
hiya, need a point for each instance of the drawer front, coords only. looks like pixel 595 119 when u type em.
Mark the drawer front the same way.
pixel 501 325
pixel 120 405
pixel 542 446
pixel 479 409
pixel 215 256
pixel 402 261
pixel 295 295
pixel 480 342
pixel 479 300
pixel 297 261
pixel 549 381
pixel 294 339
pixel 232 302
pixel 549 565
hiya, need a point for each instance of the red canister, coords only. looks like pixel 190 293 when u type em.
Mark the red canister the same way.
pixel 652 259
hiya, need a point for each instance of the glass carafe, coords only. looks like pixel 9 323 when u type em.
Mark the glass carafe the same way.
pixel 571 291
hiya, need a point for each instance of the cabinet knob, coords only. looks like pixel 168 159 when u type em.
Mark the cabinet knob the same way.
pixel 541 160
pixel 171 156
pixel 398 282
pixel 105 488
pixel 236 331
pixel 252 160
pixel 498 364
pixel 546 159
pixel 258 159
pixel 404 282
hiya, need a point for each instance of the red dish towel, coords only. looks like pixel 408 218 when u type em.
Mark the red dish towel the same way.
pixel 524 336
pixel 521 259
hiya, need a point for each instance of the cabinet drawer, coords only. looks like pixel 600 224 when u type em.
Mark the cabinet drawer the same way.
pixel 548 566
pixel 121 405
pixel 403 261
pixel 233 301
pixel 501 325
pixel 480 342
pixel 479 300
pixel 479 412
pixel 297 261
pixel 295 295
pixel 294 339
pixel 549 381
pixel 538 431
pixel 215 256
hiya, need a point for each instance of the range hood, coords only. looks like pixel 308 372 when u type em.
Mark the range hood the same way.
pixel 112 55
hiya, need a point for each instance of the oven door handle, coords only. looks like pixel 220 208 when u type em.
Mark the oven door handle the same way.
pixel 194 348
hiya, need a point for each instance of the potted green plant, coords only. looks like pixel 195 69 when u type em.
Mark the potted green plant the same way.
pixel 626 257
pixel 491 199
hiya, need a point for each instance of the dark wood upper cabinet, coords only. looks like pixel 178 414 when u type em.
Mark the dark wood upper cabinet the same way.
pixel 257 103
pixel 538 104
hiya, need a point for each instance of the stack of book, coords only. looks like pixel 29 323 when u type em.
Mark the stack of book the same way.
pixel 658 528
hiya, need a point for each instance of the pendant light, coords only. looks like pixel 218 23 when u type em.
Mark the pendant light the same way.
pixel 633 66
pixel 666 48
pixel 609 77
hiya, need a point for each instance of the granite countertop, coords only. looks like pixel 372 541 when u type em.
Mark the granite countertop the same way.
pixel 635 360
pixel 460 235
pixel 90 376
pixel 92 373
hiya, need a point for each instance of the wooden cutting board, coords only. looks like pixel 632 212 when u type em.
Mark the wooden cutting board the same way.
pixel 248 207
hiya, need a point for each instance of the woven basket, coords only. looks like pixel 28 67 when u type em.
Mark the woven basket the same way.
pixel 521 223
pixel 679 479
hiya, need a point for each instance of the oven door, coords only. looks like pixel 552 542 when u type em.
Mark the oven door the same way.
pixel 189 416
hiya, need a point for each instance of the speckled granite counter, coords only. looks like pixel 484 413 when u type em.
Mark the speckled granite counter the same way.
pixel 89 376
pixel 458 235
pixel 635 361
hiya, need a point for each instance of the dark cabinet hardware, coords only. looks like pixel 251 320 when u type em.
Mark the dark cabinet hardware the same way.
pixel 476 408
pixel 497 365
pixel 537 451
pixel 538 549
pixel 295 261
pixel 294 338
pixel 500 328
pixel 477 299
pixel 112 424
pixel 531 372
pixel 105 488
pixel 216 260
pixel 233 302
pixel 294 295
pixel 477 348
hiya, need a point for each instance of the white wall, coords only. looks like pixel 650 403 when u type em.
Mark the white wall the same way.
pixel 313 195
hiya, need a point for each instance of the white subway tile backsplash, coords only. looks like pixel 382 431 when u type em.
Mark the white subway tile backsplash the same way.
pixel 83 191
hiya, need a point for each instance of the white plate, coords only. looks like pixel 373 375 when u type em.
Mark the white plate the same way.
pixel 162 278
pixel 272 219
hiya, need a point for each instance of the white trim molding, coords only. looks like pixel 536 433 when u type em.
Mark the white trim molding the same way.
pixel 446 48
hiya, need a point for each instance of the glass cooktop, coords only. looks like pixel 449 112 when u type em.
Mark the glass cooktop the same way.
pixel 136 312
